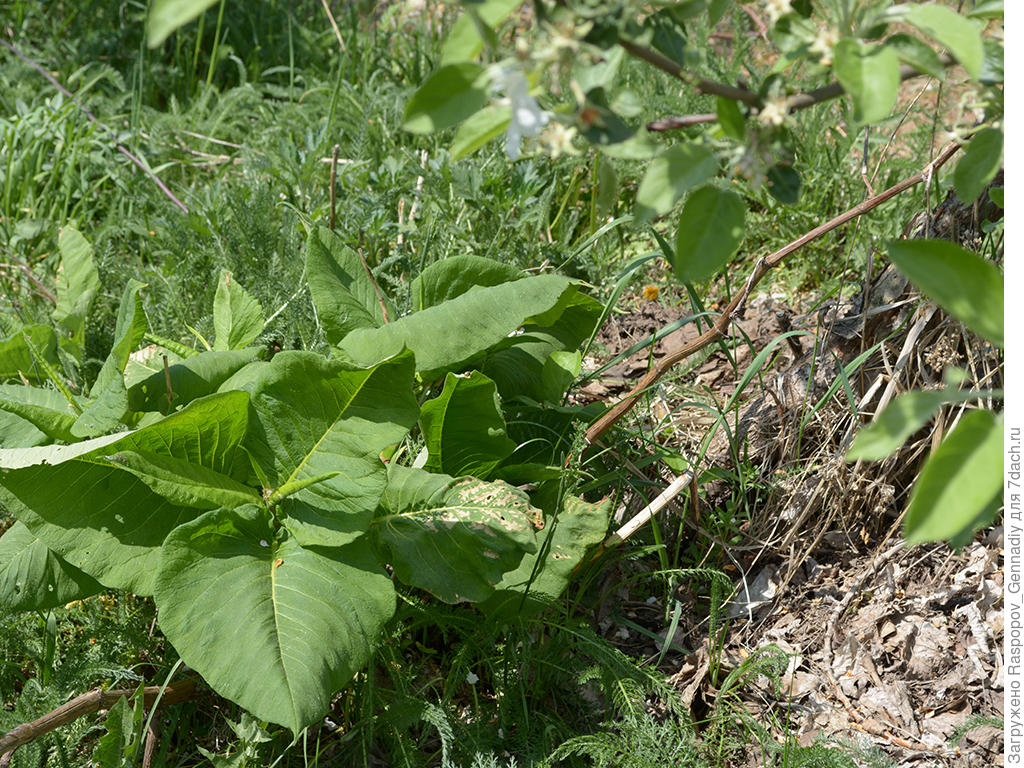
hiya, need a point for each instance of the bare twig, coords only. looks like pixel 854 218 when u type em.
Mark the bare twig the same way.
pixel 763 266
pixel 641 518
pixel 793 104
pixel 120 147
pixel 334 181
pixel 90 702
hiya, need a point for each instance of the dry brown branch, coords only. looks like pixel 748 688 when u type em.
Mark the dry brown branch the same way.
pixel 720 328
pixel 334 24
pixel 793 103
pixel 90 702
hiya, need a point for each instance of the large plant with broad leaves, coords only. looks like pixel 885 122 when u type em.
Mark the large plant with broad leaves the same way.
pixel 269 504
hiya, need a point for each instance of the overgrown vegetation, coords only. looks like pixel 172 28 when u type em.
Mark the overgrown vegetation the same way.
pixel 294 357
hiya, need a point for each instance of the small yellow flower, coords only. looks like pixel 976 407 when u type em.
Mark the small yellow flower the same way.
pixel 651 292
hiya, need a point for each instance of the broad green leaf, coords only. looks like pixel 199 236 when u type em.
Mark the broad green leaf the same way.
pixel 165 16
pixel 447 336
pixel 670 176
pixel 519 363
pixel 871 75
pixel 947 27
pixel 273 626
pixel 106 520
pixel 455 537
pixel 454 276
pixel 45 409
pixel 902 417
pixel 342 291
pixel 464 41
pixel 489 123
pixel 966 285
pixel 730 117
pixel 124 732
pixel 992 67
pixel 184 483
pixel 146 362
pixel 917 54
pixel 32 578
pixel 191 378
pixel 77 283
pixel 16 357
pixel 601 74
pixel 16 432
pixel 542 577
pixel 960 488
pixel 464 429
pixel 979 165
pixel 560 371
pixel 710 231
pixel 237 316
pixel 449 96
pixel 312 417
pixel 108 402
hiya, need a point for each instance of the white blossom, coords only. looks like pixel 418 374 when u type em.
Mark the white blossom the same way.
pixel 527 117
pixel 824 43
pixel 776 9
pixel 472 679
pixel 774 112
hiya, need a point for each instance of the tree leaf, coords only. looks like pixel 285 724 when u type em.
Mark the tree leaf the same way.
pixel 108 402
pixel 106 520
pixel 447 97
pixel 902 417
pixel 561 546
pixel 670 176
pixel 456 275
pixel 304 620
pixel 454 537
pixel 784 183
pixel 45 409
pixel 917 54
pixel 464 429
pixel 871 75
pixel 947 27
pixel 464 41
pixel 165 16
pixel 342 292
pixel 191 378
pixel 77 284
pixel 447 336
pixel 312 417
pixel 237 316
pixel 979 165
pixel 478 129
pixel 710 232
pixel 960 487
pixel 32 578
pixel 730 117
pixel 967 286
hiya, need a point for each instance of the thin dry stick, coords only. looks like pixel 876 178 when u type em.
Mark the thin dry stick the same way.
pixel 90 702
pixel 334 179
pixel 120 147
pixel 167 380
pixel 376 288
pixel 720 328
pixel 674 123
pixel 642 517
pixel 334 24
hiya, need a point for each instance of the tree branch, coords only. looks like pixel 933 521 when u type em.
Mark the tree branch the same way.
pixel 90 702
pixel 793 103
pixel 721 327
